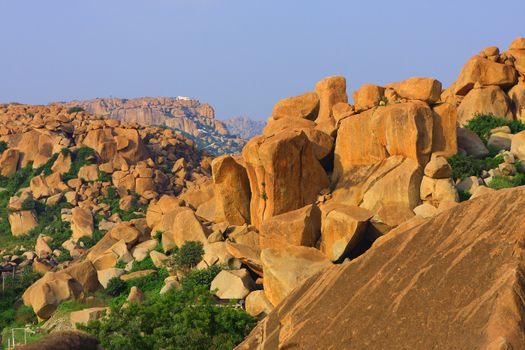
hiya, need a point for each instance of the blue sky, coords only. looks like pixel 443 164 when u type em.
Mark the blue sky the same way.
pixel 241 56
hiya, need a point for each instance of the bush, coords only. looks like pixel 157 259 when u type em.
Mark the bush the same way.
pixel 75 109
pixel 464 166
pixel 81 157
pixel 189 255
pixel 501 181
pixel 116 287
pixel 483 123
pixel 185 318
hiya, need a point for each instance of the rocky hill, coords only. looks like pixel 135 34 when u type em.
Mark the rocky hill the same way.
pixel 193 119
pixel 392 222
pixel 244 127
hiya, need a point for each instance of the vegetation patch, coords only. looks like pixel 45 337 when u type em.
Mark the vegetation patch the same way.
pixel 464 166
pixel 481 124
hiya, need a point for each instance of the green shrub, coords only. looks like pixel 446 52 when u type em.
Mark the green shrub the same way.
pixel 75 109
pixel 116 287
pixel 464 195
pixel 81 157
pixel 188 256
pixel 185 318
pixel 501 181
pixel 65 256
pixel 10 297
pixel 91 241
pixel 104 177
pixel 464 166
pixel 146 264
pixel 482 124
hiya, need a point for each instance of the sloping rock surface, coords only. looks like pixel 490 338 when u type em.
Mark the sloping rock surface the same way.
pixel 455 281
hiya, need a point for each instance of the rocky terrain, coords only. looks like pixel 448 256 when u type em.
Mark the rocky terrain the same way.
pixel 390 223
pixel 244 127
pixel 193 119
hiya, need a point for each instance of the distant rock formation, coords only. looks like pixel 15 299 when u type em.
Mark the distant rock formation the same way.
pixel 191 118
pixel 244 127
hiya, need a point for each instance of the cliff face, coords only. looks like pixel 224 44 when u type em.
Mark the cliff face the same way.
pixel 244 127
pixel 191 118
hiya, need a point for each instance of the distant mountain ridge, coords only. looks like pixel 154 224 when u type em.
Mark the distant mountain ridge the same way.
pixel 192 118
pixel 244 126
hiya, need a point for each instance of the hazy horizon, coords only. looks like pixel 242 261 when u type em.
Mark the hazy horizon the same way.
pixel 239 57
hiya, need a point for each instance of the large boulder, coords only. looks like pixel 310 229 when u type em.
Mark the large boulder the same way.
pixel 286 269
pixel 331 90
pixel 284 174
pixel 343 229
pixel 403 129
pixel 156 210
pixel 489 100
pixel 442 283
pixel 367 97
pixel 424 89
pixel 9 162
pixel 444 138
pixel 304 106
pixel 517 96
pixel 184 227
pixel 232 191
pixel 471 143
pixel 85 316
pixel 485 72
pixel 300 227
pixel 518 145
pixel 23 221
pixel 232 284
pixel 81 223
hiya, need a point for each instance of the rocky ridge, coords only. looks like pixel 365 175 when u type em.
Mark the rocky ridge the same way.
pixel 193 119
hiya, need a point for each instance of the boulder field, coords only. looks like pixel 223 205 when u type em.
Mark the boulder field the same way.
pixel 344 219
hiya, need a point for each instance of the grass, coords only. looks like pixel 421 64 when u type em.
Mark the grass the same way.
pixel 500 181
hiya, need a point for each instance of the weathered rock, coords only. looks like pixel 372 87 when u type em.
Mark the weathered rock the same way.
pixel 157 210
pixel 399 274
pixel 424 89
pixel 250 255
pixel 343 228
pixel 438 168
pixel 81 223
pixel 500 141
pixel 300 227
pixel 286 269
pixel 304 106
pixel 518 145
pixel 185 227
pixel 88 173
pixel 87 315
pixel 438 190
pixel 426 210
pixel 484 71
pixel 517 96
pixel 232 191
pixel 257 304
pixel 284 174
pixel 331 91
pixel 104 276
pixel 444 139
pixel 489 100
pixel 135 296
pixel 22 222
pixel 137 274
pixel 232 284
pixel 368 96
pixel 125 231
pixel 141 251
pixel 471 143
pixel 9 162
pixel 158 258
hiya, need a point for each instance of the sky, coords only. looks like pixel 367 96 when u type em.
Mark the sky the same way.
pixel 241 56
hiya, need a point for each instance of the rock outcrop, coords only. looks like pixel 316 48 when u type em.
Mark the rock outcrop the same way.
pixel 440 283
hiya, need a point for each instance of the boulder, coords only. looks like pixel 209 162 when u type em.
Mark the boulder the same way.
pixel 426 210
pixel 438 190
pixel 248 254
pixel 62 164
pixel 305 106
pixel 232 284
pixel 300 227
pixel 500 141
pixel 9 162
pixel 403 129
pixel 158 258
pixel 286 269
pixel 156 210
pixel 459 278
pixel 489 100
pixel 438 168
pixel 42 249
pixel 485 72
pixel 125 231
pixel 81 223
pixel 367 97
pixel 104 276
pixel 257 304
pixel 331 91
pixel 137 274
pixel 88 173
pixel 343 229
pixel 284 174
pixel 471 143
pixel 444 139
pixel 518 145
pixel 85 316
pixel 232 191
pixel 135 296
pixel 185 227
pixel 141 251
pixel 517 96
pixel 519 60
pixel 424 89
pixel 21 222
